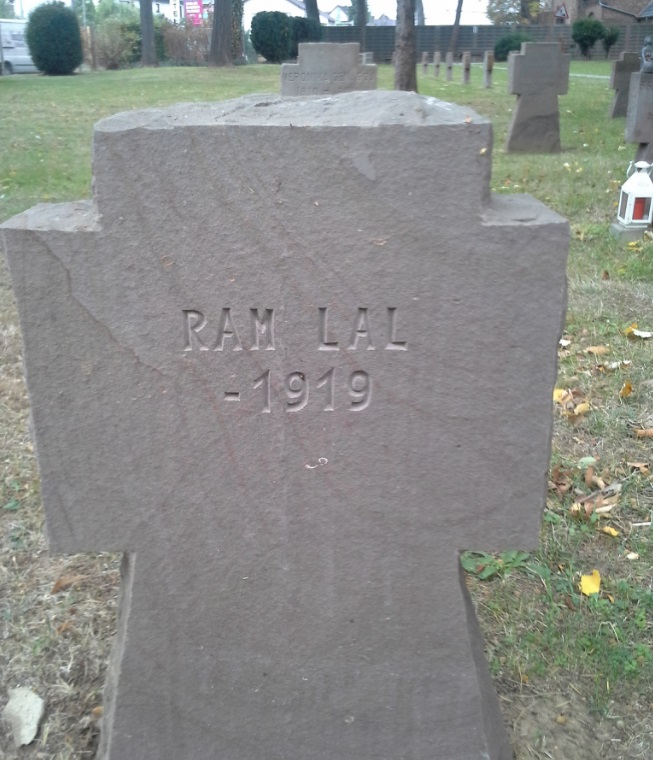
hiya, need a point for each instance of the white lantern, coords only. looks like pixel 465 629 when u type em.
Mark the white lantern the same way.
pixel 636 199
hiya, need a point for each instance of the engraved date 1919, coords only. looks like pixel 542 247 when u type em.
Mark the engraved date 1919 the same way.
pixel 324 392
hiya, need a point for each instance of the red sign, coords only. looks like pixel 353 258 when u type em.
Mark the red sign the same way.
pixel 194 11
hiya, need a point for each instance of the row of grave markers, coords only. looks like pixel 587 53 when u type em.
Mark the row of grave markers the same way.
pixel 488 66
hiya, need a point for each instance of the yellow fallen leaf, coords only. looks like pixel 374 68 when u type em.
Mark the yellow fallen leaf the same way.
pixel 590 584
pixel 626 389
pixel 582 408
pixel 643 467
pixel 561 396
pixel 633 332
pixel 647 433
pixel 610 531
pixel 597 350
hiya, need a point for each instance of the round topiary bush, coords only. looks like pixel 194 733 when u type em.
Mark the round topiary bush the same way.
pixel 303 30
pixel 54 39
pixel 509 42
pixel 271 35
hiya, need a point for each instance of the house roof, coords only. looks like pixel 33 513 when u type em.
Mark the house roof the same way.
pixel 647 12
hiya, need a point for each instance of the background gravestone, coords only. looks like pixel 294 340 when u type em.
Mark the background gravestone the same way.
pixel 622 69
pixel 437 60
pixel 488 65
pixel 467 66
pixel 449 66
pixel 325 68
pixel 271 406
pixel 639 119
pixel 537 75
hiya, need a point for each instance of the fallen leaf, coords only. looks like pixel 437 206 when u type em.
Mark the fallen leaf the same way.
pixel 632 555
pixel 97 712
pixel 563 342
pixel 646 433
pixel 66 581
pixel 626 389
pixel 605 275
pixel 67 626
pixel 561 396
pixel 633 332
pixel 582 408
pixel 24 711
pixel 590 584
pixel 597 350
pixel 561 719
pixel 643 467
pixel 610 531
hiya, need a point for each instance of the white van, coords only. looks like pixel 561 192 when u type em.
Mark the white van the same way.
pixel 15 53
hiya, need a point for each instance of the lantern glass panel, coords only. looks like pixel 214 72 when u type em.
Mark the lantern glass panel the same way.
pixel 622 205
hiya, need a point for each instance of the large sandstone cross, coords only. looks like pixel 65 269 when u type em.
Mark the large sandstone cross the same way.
pixel 292 374
pixel 537 75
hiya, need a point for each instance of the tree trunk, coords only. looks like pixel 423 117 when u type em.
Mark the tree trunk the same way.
pixel 312 12
pixel 453 40
pixel 237 41
pixel 148 53
pixel 405 59
pixel 419 12
pixel 220 50
pixel 361 22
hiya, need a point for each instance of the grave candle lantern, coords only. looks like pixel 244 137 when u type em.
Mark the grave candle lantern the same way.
pixel 635 202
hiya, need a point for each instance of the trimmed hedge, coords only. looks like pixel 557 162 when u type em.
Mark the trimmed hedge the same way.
pixel 54 39
pixel 509 42
pixel 271 35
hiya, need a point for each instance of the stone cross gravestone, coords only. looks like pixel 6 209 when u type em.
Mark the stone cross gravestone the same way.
pixel 639 117
pixel 449 65
pixel 622 69
pixel 437 60
pixel 488 66
pixel 262 381
pixel 537 75
pixel 326 68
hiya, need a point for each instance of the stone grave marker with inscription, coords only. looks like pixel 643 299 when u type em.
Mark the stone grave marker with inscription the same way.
pixel 537 75
pixel 326 68
pixel 488 65
pixel 467 67
pixel 267 404
pixel 437 60
pixel 622 69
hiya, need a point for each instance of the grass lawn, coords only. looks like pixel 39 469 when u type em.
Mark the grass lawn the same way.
pixel 574 672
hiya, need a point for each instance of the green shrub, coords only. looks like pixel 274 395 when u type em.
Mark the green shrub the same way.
pixel 509 42
pixel 303 30
pixel 54 39
pixel 585 32
pixel 272 35
pixel 610 37
pixel 118 42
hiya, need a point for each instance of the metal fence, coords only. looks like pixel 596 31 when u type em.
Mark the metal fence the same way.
pixel 380 40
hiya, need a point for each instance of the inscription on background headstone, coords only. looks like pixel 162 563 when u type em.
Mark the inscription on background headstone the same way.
pixel 267 407
pixel 449 65
pixel 622 69
pixel 325 68
pixel 537 75
pixel 437 60
pixel 488 66
pixel 467 66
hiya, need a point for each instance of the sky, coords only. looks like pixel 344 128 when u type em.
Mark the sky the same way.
pixel 437 12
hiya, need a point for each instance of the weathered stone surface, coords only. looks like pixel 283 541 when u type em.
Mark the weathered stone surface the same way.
pixel 622 69
pixel 537 75
pixel 449 66
pixel 437 60
pixel 639 119
pixel 327 68
pixel 292 390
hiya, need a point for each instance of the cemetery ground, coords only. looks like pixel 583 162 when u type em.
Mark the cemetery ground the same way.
pixel 572 663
